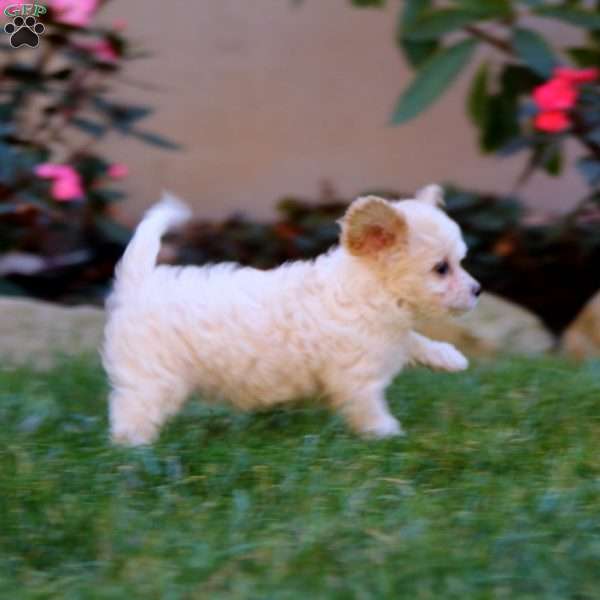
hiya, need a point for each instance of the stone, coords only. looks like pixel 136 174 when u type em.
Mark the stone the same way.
pixel 581 339
pixel 35 333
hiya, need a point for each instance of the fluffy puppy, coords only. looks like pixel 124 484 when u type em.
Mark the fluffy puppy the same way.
pixel 339 327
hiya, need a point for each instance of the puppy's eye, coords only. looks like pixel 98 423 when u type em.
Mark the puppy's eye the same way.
pixel 442 268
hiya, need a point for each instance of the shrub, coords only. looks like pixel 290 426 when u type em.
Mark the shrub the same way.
pixel 56 191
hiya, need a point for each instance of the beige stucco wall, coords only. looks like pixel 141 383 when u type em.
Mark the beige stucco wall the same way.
pixel 270 98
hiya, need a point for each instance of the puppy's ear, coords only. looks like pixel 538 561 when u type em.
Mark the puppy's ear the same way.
pixel 371 226
pixel 431 194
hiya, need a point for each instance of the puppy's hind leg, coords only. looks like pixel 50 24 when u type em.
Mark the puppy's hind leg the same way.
pixel 366 411
pixel 137 413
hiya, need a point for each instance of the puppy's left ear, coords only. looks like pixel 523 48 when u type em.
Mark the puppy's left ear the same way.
pixel 371 226
pixel 431 194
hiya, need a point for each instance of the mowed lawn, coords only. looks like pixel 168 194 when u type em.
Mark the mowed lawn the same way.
pixel 495 493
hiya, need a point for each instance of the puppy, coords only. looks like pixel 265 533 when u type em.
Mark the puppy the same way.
pixel 339 327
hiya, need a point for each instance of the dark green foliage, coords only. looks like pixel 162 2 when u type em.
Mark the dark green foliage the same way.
pixel 368 3
pixel 500 98
pixel 416 52
pixel 432 80
pixel 76 240
pixel 533 49
pixel 588 19
pixel 494 493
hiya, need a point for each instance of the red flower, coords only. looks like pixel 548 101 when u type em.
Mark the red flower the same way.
pixel 559 95
pixel 556 94
pixel 577 75
pixel 552 121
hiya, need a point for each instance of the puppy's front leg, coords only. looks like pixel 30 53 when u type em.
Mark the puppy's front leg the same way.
pixel 366 412
pixel 437 355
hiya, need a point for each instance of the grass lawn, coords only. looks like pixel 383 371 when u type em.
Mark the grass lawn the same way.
pixel 495 493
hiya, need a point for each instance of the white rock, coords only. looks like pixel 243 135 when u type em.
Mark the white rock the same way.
pixel 35 333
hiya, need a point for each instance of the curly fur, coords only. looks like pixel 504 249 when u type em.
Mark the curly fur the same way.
pixel 338 328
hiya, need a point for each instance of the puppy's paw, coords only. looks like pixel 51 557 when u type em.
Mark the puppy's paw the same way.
pixel 447 358
pixel 383 428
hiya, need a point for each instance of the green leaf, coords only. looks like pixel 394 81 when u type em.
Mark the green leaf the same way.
pixel 122 116
pixel 501 124
pixel 106 195
pixel 92 128
pixel 433 24
pixel 477 101
pixel 574 16
pixel 516 80
pixel 488 8
pixel 415 52
pixel 553 160
pixel 113 230
pixel 533 49
pixel 368 3
pixel 155 140
pixel 432 80
pixel 584 57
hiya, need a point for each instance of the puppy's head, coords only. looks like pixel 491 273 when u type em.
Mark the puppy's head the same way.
pixel 414 249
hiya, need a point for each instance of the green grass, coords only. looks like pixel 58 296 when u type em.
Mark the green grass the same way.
pixel 495 493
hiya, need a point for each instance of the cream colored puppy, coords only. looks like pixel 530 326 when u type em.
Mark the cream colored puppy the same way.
pixel 339 327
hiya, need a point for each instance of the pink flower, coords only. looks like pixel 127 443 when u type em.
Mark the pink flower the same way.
pixel 49 170
pixel 67 189
pixel 74 12
pixel 118 171
pixel 552 121
pixel 103 50
pixel 66 181
pixel 556 94
pixel 577 75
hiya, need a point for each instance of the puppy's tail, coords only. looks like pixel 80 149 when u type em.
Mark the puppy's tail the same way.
pixel 140 255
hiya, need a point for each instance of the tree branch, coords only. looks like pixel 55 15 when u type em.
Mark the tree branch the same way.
pixel 494 41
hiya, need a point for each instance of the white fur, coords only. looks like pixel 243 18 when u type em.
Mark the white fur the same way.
pixel 338 328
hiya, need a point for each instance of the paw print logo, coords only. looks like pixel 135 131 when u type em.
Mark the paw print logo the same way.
pixel 24 32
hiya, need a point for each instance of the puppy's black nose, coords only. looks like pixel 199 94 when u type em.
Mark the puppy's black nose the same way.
pixel 476 289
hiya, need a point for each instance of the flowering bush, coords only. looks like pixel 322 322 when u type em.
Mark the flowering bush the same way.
pixel 531 94
pixel 56 191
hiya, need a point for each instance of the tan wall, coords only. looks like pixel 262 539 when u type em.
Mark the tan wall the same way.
pixel 270 99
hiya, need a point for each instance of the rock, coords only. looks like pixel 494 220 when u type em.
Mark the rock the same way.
pixel 581 339
pixel 495 326
pixel 35 333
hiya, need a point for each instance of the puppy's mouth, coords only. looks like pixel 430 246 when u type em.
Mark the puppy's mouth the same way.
pixel 461 309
